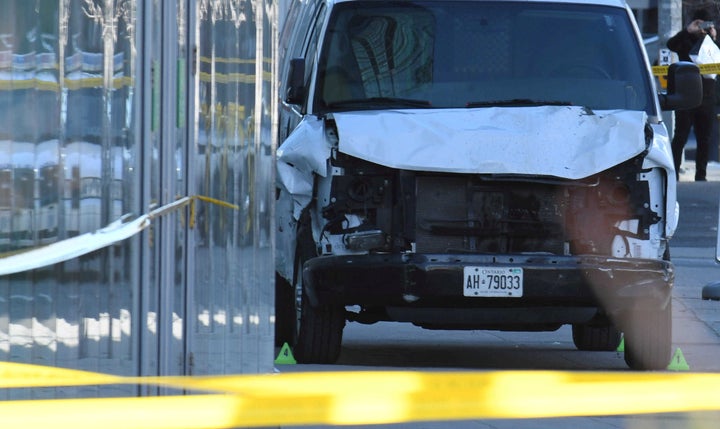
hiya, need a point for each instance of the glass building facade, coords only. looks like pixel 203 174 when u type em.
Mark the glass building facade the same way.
pixel 111 108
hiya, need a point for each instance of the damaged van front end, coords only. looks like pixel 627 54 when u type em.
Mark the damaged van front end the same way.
pixel 502 211
pixel 426 216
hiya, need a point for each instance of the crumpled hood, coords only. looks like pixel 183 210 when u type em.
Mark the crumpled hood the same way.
pixel 562 141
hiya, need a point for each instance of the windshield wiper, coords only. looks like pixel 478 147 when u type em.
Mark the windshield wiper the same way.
pixel 385 102
pixel 517 102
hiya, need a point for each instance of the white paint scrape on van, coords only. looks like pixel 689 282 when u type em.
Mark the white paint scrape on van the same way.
pixel 562 141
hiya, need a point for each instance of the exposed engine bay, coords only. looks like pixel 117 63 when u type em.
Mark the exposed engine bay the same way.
pixel 365 207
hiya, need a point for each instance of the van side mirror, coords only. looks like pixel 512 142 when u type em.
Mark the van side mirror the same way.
pixel 684 87
pixel 296 82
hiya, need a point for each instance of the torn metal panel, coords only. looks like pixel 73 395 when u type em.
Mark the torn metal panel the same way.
pixel 562 141
pixel 660 155
pixel 303 153
pixel 286 226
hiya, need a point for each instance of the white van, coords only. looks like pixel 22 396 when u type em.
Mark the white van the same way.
pixel 475 164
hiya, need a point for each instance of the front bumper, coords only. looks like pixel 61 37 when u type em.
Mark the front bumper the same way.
pixel 435 281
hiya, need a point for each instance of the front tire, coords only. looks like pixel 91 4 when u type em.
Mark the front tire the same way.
pixel 318 330
pixel 648 339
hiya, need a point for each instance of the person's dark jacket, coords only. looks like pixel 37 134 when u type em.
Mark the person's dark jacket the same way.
pixel 682 43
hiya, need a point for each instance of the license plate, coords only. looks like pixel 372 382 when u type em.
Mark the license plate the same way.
pixel 493 282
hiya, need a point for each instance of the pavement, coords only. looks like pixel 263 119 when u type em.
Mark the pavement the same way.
pixel 696 326
pixel 687 168
pixel 687 171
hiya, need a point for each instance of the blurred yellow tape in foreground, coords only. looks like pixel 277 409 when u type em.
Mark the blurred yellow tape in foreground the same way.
pixel 343 398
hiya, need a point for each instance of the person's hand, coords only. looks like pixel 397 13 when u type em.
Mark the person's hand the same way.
pixel 695 28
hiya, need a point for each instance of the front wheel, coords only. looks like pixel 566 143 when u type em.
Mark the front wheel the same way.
pixel 648 339
pixel 319 332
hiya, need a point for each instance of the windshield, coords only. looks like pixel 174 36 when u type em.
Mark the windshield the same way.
pixel 442 54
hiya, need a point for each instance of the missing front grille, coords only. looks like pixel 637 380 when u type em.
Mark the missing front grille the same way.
pixel 461 214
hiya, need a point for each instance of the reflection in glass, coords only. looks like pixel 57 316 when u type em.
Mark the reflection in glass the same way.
pixel 88 133
pixel 66 155
pixel 233 159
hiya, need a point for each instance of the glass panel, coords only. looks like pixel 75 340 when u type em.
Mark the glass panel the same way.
pixel 67 167
pixel 81 145
pixel 233 162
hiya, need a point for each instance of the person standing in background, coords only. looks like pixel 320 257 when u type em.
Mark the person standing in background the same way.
pixel 701 118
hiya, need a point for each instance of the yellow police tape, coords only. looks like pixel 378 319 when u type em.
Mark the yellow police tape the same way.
pixel 343 398
pixel 713 68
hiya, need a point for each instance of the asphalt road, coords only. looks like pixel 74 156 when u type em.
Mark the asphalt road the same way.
pixel 698 215
pixel 696 335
